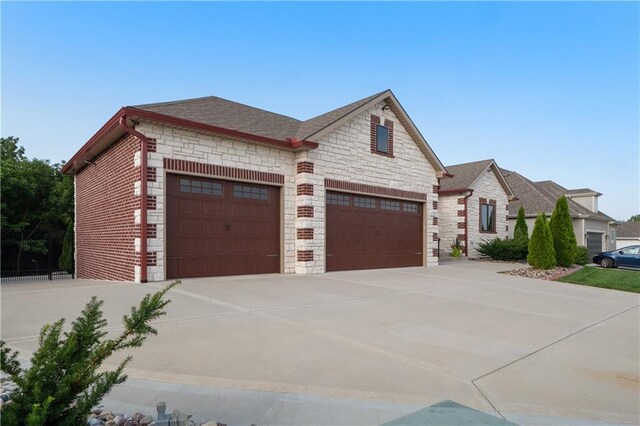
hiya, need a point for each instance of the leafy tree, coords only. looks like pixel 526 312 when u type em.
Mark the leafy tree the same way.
pixel 64 381
pixel 67 256
pixel 564 239
pixel 521 231
pixel 634 218
pixel 541 252
pixel 36 199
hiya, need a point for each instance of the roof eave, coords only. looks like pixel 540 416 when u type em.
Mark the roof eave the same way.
pixel 110 132
pixel 94 146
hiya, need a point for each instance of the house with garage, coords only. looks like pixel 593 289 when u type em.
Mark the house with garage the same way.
pixel 473 206
pixel 593 228
pixel 209 187
pixel 628 234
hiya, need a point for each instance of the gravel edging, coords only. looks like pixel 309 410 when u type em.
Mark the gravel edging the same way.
pixel 552 274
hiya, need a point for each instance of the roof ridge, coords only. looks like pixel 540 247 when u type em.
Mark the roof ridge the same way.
pixel 354 105
pixel 205 98
pixel 472 162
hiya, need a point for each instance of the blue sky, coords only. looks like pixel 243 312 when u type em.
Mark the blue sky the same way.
pixel 549 89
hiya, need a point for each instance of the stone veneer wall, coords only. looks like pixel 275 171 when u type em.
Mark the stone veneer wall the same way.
pixel 186 145
pixel 345 154
pixel 451 221
pixel 486 187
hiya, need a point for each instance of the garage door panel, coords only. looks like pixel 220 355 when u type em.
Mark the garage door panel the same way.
pixel 221 228
pixel 358 237
pixel 212 208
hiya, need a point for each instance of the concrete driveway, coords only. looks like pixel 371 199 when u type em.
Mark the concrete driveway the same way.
pixel 365 347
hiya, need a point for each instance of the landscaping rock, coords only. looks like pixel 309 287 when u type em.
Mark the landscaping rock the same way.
pixel 146 421
pixel 543 274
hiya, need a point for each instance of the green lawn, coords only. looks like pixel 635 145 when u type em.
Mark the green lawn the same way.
pixel 607 278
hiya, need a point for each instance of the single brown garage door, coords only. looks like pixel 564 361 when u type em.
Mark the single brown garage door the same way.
pixel 370 232
pixel 216 227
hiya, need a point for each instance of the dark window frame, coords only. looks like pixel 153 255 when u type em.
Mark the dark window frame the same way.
pixel 250 192
pixel 484 205
pixel 379 141
pixel 376 124
pixel 197 186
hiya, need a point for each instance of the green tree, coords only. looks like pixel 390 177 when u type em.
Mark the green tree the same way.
pixel 36 199
pixel 564 239
pixel 64 381
pixel 521 231
pixel 541 252
pixel 67 256
pixel 634 218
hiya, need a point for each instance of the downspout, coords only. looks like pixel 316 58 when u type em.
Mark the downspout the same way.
pixel 143 194
pixel 466 224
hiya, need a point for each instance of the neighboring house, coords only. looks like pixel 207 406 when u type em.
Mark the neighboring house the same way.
pixel 231 189
pixel 593 229
pixel 628 234
pixel 473 206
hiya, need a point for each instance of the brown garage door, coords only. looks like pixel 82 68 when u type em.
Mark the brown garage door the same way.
pixel 370 232
pixel 217 227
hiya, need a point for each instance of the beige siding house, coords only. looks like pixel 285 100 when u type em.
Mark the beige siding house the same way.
pixel 473 206
pixel 593 229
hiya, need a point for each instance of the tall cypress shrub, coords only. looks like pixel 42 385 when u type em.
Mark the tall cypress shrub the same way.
pixel 521 231
pixel 564 239
pixel 541 252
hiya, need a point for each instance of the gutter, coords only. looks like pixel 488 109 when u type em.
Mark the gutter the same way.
pixel 122 122
pixel 76 162
pixel 466 223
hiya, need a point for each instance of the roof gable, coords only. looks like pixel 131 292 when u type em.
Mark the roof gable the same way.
pixel 330 121
pixel 467 174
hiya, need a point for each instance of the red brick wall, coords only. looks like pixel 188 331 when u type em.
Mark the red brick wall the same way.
pixel 105 204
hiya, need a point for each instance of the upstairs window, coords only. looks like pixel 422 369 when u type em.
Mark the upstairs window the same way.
pixel 381 136
pixel 382 139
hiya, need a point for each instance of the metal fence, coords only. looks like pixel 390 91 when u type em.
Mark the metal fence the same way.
pixel 32 257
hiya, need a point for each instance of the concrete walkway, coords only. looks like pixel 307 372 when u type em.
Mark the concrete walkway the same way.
pixel 367 347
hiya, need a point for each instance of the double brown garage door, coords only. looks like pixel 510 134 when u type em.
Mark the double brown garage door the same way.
pixel 369 232
pixel 218 227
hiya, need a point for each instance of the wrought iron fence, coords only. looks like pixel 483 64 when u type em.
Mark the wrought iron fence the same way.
pixel 32 257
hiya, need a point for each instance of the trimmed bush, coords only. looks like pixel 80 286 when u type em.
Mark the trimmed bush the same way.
pixel 582 256
pixel 521 231
pixel 541 253
pixel 499 249
pixel 564 240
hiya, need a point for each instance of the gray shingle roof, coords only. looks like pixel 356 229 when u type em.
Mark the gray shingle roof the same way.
pixel 463 175
pixel 220 112
pixel 227 114
pixel 540 197
pixel 629 230
pixel 581 191
pixel 313 125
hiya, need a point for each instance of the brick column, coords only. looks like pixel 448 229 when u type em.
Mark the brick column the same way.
pixel 155 214
pixel 309 221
